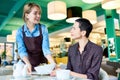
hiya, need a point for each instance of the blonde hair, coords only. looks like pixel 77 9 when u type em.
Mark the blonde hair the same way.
pixel 27 9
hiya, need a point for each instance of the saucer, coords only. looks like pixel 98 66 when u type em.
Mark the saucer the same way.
pixel 28 77
pixel 35 73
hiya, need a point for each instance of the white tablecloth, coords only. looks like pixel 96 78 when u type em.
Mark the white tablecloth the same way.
pixel 33 77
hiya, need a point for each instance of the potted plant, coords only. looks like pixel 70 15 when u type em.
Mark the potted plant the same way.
pixel 3 56
pixel 63 54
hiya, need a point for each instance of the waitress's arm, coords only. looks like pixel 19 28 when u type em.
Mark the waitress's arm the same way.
pixel 22 49
pixel 45 45
pixel 25 59
pixel 49 58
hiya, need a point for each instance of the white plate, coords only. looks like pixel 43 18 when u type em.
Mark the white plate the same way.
pixel 45 69
pixel 35 73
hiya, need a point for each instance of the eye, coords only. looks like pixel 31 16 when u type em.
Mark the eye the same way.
pixel 35 13
pixel 39 13
pixel 73 28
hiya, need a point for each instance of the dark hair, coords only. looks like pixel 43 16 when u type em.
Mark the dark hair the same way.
pixel 85 25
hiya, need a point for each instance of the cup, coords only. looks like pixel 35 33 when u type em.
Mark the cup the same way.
pixel 63 74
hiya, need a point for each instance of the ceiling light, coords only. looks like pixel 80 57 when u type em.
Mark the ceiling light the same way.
pixel 11 38
pixel 56 10
pixel 92 1
pixel 73 13
pixel 110 4
pixel 90 15
pixel 118 10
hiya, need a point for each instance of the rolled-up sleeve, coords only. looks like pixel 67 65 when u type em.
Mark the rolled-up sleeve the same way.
pixel 45 43
pixel 93 71
pixel 21 47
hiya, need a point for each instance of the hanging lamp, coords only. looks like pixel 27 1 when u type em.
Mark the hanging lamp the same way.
pixel 110 4
pixel 92 1
pixel 118 10
pixel 73 13
pixel 57 10
pixel 90 15
pixel 11 38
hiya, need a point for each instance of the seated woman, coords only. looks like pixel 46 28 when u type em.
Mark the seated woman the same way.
pixel 84 57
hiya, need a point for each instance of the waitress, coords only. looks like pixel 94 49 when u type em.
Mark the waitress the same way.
pixel 32 38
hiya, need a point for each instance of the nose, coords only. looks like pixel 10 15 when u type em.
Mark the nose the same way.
pixel 39 15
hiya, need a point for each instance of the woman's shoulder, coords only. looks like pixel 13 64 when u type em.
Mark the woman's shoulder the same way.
pixel 96 48
pixel 42 25
pixel 95 45
pixel 20 29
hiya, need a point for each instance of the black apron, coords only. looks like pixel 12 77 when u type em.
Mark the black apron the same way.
pixel 34 48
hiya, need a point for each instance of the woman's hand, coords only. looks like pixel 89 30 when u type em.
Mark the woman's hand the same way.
pixel 29 68
pixel 53 73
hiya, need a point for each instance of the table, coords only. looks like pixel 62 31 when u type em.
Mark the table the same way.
pixel 10 77
pixel 115 65
pixel 33 77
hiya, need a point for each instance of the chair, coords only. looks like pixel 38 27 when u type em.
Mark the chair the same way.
pixel 58 60
pixel 61 60
pixel 103 75
pixel 111 77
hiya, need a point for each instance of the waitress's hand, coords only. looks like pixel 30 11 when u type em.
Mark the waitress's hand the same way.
pixel 29 68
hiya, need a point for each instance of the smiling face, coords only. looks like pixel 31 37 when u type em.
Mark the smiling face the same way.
pixel 32 13
pixel 34 16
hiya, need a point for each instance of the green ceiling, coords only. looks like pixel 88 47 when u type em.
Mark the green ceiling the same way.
pixel 11 14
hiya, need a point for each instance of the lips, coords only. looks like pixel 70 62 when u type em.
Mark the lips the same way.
pixel 37 19
pixel 71 34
